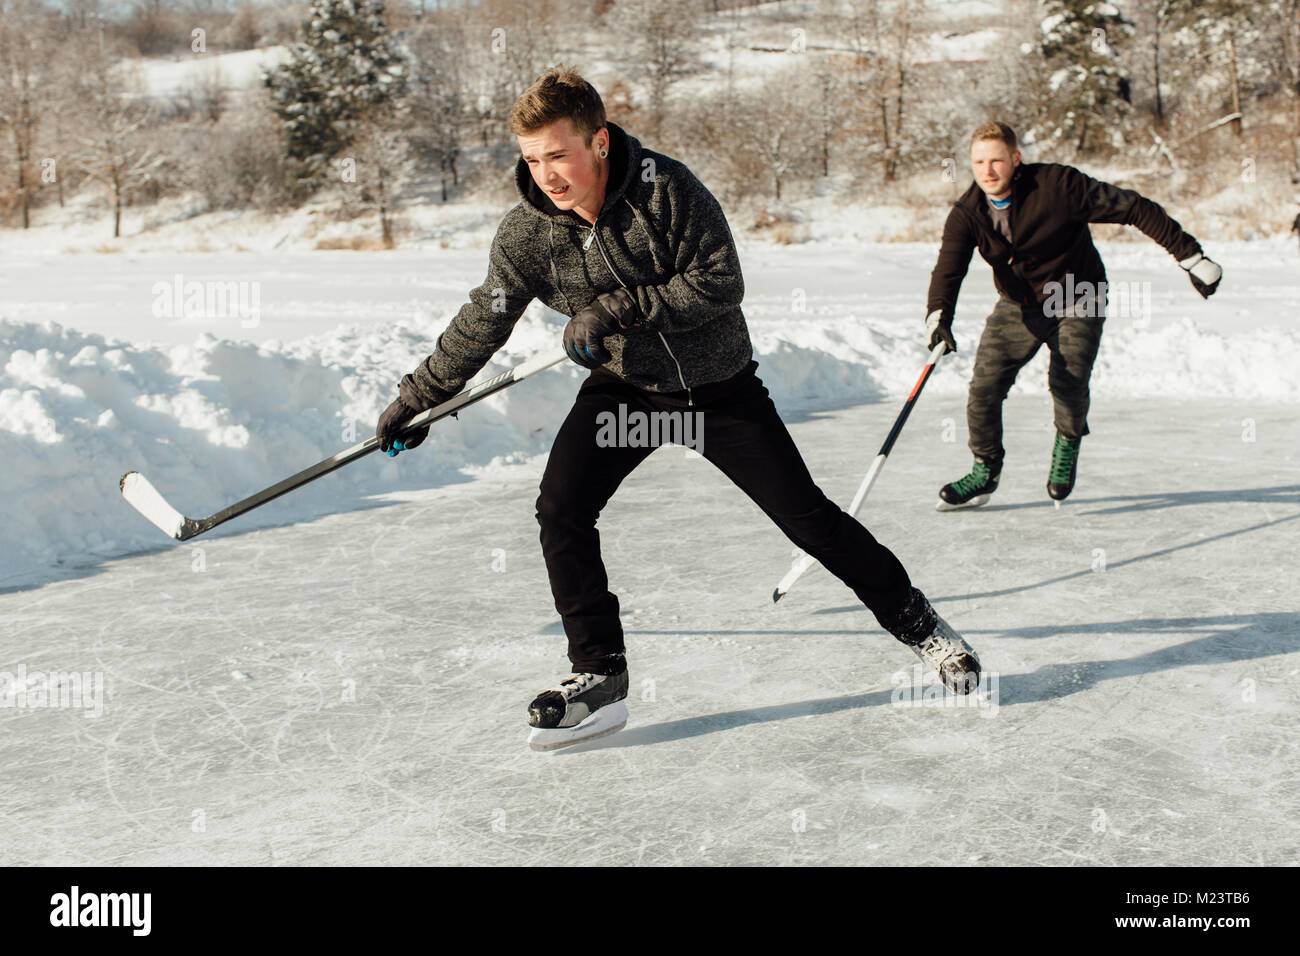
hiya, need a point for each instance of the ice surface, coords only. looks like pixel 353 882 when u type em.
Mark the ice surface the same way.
pixel 353 689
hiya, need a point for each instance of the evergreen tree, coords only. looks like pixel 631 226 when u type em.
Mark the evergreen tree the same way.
pixel 345 71
pixel 1090 87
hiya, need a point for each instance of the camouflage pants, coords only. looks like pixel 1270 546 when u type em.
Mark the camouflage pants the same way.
pixel 1012 336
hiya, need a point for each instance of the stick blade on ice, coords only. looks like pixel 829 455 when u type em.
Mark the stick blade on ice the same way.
pixel 144 498
pixel 802 563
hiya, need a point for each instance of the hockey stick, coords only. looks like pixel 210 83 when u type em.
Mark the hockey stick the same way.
pixel 803 562
pixel 144 498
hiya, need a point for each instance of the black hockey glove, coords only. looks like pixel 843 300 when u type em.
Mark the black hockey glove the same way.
pixel 940 329
pixel 390 426
pixel 1204 273
pixel 409 403
pixel 584 336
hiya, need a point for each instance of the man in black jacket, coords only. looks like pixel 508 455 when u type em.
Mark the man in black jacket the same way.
pixel 633 246
pixel 1030 223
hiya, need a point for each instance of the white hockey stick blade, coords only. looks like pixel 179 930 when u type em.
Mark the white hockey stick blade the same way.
pixel 607 720
pixel 144 498
pixel 801 564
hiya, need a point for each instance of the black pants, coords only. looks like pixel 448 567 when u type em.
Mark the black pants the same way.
pixel 744 437
pixel 1012 336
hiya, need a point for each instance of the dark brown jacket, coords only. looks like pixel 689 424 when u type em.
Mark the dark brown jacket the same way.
pixel 1051 206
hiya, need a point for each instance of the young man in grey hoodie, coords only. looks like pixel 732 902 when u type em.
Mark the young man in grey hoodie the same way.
pixel 631 245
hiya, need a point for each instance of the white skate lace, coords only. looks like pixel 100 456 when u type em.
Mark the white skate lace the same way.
pixel 938 648
pixel 575 684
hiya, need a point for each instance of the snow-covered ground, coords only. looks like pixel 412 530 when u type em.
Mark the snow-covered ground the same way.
pixel 193 71
pixel 216 405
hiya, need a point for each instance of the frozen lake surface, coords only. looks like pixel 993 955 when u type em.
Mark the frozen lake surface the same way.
pixel 352 689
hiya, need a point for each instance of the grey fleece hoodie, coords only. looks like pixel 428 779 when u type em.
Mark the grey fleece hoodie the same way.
pixel 660 234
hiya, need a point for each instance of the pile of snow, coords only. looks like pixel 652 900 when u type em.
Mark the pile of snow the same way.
pixel 213 421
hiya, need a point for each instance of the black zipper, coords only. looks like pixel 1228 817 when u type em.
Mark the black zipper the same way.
pixel 690 397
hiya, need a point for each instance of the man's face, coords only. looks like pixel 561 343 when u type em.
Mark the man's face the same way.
pixel 993 165
pixel 565 167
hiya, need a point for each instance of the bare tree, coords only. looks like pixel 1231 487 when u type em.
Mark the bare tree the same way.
pixel 382 154
pixel 26 55
pixel 758 138
pixel 660 47
pixel 1221 25
pixel 110 148
pixel 882 38
pixel 154 27
pixel 436 94
pixel 1279 21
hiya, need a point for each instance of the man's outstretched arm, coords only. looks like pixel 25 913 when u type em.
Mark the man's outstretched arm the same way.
pixel 1092 200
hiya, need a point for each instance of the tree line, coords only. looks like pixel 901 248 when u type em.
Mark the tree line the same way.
pixel 769 101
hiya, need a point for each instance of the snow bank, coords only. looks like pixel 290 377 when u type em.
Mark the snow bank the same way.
pixel 214 421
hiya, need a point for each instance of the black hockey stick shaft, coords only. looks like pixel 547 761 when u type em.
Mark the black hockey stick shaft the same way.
pixel 911 402
pixel 191 527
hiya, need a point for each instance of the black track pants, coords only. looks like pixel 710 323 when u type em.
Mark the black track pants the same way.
pixel 739 432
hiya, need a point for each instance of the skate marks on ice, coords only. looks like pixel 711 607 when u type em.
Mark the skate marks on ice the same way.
pixel 1226 640
pixel 1085 573
pixel 640 734
pixel 1279 495
pixel 1152 718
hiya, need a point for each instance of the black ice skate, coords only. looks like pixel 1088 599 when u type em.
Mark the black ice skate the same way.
pixel 940 647
pixel 583 707
pixel 971 491
pixel 1065 467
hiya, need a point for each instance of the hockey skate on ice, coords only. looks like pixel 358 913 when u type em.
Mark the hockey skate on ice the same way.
pixel 583 707
pixel 938 645
pixel 1065 468
pixel 971 491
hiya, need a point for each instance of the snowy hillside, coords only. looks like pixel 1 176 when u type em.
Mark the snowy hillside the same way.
pixel 233 73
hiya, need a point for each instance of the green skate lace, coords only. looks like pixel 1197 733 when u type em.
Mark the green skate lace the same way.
pixel 1063 455
pixel 978 478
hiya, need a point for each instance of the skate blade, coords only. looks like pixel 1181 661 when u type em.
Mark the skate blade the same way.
pixel 975 502
pixel 609 719
pixel 1057 502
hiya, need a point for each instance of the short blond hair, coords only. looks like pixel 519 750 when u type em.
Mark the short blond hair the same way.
pixel 995 130
pixel 557 94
